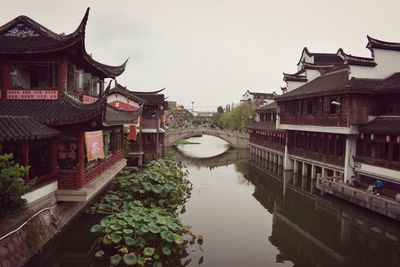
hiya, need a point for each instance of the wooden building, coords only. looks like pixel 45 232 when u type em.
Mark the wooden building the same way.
pixel 54 114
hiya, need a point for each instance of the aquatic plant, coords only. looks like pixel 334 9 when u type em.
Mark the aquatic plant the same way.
pixel 139 235
pixel 143 226
pixel 162 184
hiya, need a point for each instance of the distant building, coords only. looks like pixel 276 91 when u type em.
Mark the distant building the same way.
pixel 257 98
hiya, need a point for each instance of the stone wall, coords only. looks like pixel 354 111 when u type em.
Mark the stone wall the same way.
pixel 17 248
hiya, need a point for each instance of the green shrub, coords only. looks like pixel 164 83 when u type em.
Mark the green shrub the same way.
pixel 12 186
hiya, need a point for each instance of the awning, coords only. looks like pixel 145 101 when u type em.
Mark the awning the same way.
pixel 149 130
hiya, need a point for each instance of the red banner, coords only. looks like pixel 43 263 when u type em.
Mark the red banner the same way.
pixel 32 94
pixel 94 145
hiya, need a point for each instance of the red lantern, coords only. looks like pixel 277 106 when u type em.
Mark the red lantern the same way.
pixel 372 137
pixel 398 139
pixel 362 136
pixel 388 138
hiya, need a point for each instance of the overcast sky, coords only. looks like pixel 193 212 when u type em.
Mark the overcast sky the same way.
pixel 212 51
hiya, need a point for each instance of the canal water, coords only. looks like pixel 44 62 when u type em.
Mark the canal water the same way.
pixel 251 213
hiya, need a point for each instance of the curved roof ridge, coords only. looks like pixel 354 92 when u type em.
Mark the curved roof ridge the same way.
pixel 375 43
pixel 147 93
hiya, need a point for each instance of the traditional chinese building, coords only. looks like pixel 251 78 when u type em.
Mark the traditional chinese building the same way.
pixel 340 116
pixel 146 134
pixel 257 98
pixel 54 113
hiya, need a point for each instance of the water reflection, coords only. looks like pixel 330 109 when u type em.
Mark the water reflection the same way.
pixel 255 214
pixel 209 146
pixel 311 230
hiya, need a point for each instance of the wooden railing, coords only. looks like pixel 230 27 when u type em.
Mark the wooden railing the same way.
pixel 317 120
pixel 395 165
pixel 330 159
pixel 68 179
pixel 266 144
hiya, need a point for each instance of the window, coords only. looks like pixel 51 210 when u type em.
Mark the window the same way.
pixel 67 154
pixel 31 75
pixel 39 160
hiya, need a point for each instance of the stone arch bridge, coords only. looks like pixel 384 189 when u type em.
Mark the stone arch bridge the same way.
pixel 235 139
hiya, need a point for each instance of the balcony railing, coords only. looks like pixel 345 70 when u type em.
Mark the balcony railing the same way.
pixel 327 158
pixel 316 120
pixel 149 124
pixel 266 144
pixel 68 179
pixel 395 165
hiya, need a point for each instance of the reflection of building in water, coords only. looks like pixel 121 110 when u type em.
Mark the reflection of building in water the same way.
pixel 226 158
pixel 311 230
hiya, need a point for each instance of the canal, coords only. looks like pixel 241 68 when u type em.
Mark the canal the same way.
pixel 251 213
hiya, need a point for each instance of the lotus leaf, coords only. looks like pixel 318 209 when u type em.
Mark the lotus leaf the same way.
pixel 99 254
pixel 178 239
pixel 127 231
pixel 166 251
pixel 154 175
pixel 130 259
pixel 115 226
pixel 148 186
pixel 129 241
pixel 161 220
pixel 123 250
pixel 115 260
pixel 144 229
pixel 95 228
pixel 168 236
pixel 157 188
pixel 116 237
pixel 107 240
pixel 154 229
pixel 141 261
pixel 148 251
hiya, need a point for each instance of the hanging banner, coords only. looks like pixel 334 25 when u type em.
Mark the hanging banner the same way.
pixel 94 145
pixel 132 133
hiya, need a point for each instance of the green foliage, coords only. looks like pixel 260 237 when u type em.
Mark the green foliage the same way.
pixel 12 186
pixel 220 109
pixel 146 231
pixel 239 117
pixel 162 184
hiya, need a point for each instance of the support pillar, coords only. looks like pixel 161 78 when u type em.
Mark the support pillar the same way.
pixel 81 159
pixel 304 169
pixel 287 163
pixel 350 152
pixel 313 171
pixel 295 166
pixel 323 174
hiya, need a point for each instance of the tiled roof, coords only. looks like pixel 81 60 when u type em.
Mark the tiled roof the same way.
pixel 17 128
pixel 322 58
pixel 382 125
pixel 296 77
pixel 127 93
pixel 375 43
pixel 264 126
pixel 338 82
pixel 270 106
pixel 23 35
pixel 354 60
pixel 324 83
pixel 114 116
pixel 65 110
pixel 152 99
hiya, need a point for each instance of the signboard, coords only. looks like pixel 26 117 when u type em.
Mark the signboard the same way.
pixel 94 145
pixel 88 99
pixel 32 94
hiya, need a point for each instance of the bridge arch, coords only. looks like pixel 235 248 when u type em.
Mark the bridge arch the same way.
pixel 234 139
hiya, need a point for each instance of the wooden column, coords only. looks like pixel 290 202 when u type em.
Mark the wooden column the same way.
pixel 6 83
pixel 53 156
pixel 62 76
pixel 81 159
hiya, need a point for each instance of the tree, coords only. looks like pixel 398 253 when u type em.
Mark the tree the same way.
pixel 220 109
pixel 239 117
pixel 12 186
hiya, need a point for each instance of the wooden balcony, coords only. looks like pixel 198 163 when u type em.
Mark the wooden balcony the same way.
pixel 273 146
pixel 330 159
pixel 315 120
pixel 149 124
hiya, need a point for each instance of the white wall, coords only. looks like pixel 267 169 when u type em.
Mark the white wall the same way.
pixel 293 85
pixel 388 63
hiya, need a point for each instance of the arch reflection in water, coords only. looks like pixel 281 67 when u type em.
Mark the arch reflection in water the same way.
pixel 314 230
pixel 209 146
